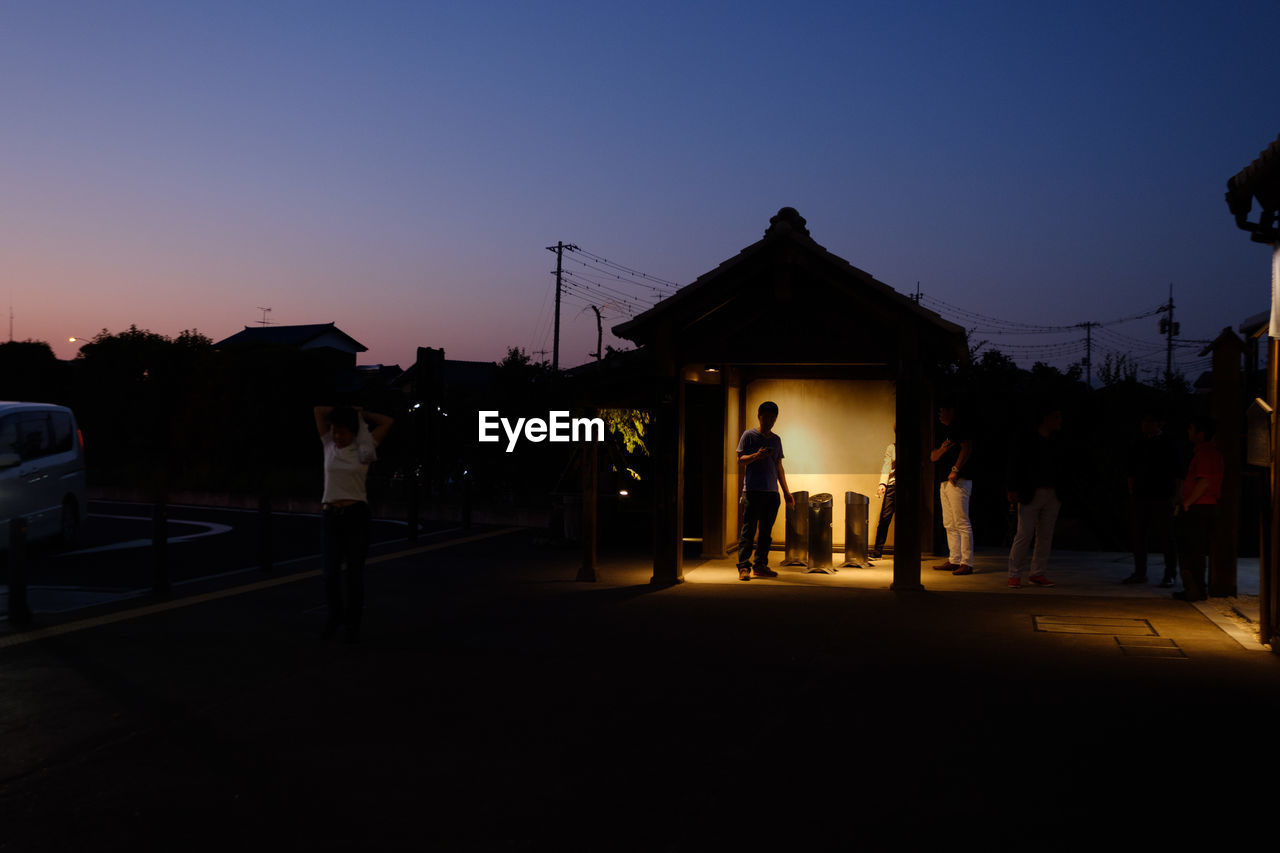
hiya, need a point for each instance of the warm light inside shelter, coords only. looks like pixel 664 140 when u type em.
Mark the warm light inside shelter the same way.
pixel 834 435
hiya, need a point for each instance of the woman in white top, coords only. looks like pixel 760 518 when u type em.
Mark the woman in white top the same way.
pixel 348 449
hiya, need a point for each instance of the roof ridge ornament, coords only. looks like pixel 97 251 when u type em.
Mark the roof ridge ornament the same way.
pixel 787 219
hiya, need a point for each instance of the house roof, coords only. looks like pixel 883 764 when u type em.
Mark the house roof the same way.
pixel 1259 180
pixel 293 336
pixel 787 245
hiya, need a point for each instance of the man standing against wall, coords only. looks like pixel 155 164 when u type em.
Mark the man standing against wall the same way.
pixel 760 450
pixel 953 455
pixel 887 492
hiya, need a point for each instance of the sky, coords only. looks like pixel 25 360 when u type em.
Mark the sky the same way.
pixel 400 168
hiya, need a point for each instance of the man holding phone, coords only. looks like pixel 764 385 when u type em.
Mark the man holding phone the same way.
pixel 760 450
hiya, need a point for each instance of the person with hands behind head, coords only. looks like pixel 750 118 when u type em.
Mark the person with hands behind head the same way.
pixel 760 450
pixel 349 446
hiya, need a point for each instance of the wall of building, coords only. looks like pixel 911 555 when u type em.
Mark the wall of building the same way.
pixel 834 433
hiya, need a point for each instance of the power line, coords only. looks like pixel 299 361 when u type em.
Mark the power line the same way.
pixel 1097 335
pixel 627 270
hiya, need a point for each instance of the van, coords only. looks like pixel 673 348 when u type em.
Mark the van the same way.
pixel 42 476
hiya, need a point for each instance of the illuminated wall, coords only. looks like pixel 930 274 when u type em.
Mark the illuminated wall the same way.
pixel 834 433
pixel 732 473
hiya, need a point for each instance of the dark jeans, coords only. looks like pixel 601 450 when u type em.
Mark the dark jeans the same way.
pixel 1195 539
pixel 346 539
pixel 1153 516
pixel 757 527
pixel 886 516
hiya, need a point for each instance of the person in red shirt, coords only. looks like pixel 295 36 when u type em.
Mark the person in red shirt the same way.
pixel 1198 509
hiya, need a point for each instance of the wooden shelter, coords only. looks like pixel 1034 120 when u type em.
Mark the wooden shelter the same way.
pixel 845 356
pixel 1260 182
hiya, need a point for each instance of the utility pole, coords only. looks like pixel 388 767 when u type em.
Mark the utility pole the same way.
pixel 1168 328
pixel 558 248
pixel 599 354
pixel 1088 350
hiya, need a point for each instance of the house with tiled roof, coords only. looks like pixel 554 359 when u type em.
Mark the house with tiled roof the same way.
pixel 339 348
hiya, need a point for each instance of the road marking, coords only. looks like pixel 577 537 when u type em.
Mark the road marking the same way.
pixel 149 609
pixel 1113 625
pixel 210 529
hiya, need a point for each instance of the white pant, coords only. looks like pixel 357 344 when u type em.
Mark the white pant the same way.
pixel 955 518
pixel 1035 520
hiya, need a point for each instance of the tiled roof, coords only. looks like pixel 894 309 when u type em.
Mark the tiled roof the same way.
pixel 1259 180
pixel 295 336
pixel 786 225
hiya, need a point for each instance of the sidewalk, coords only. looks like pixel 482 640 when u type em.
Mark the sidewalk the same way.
pixel 1074 573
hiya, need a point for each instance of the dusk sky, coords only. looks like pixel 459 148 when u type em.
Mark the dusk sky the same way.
pixel 400 168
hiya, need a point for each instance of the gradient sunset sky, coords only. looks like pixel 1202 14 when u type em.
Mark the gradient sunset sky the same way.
pixel 400 168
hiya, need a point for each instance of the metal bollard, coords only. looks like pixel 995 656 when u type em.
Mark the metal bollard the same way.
pixel 856 529
pixel 820 533
pixel 466 502
pixel 265 532
pixel 160 549
pixel 796 545
pixel 19 612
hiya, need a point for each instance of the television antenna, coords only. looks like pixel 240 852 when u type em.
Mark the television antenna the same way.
pixel 264 321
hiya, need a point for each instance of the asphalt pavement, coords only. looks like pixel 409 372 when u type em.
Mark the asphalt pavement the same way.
pixel 495 703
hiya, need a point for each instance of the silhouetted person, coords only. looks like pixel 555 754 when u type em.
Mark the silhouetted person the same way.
pixel 348 449
pixel 1036 472
pixel 1198 509
pixel 1153 480
pixel 887 492
pixel 953 454
pixel 760 450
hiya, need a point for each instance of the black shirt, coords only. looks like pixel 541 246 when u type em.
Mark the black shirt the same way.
pixel 958 432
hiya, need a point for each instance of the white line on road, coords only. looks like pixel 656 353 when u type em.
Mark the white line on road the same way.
pixel 210 529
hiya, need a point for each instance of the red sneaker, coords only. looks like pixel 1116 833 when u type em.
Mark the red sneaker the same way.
pixel 962 570
pixel 1015 583
pixel 1040 580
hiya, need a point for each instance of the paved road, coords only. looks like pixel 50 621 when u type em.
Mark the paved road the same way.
pixel 494 704
pixel 112 557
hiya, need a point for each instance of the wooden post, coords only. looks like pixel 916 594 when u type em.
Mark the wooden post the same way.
pixel 914 477
pixel 668 493
pixel 1228 412
pixel 590 505
pixel 1267 580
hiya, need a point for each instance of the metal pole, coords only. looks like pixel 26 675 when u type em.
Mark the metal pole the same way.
pixel 415 463
pixel 555 351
